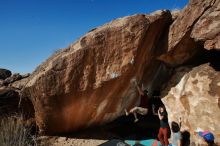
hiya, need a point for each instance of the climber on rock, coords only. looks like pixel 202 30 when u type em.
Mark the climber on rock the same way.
pixel 142 109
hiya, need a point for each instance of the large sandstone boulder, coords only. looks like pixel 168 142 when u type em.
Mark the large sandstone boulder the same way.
pixel 196 27
pixel 196 99
pixel 90 82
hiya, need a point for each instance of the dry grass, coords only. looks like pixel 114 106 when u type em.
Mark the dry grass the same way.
pixel 14 133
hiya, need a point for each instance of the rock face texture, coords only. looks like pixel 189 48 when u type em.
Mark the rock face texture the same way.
pixel 207 28
pixel 13 78
pixel 4 73
pixel 19 84
pixel 90 82
pixel 196 27
pixel 196 99
pixel 10 102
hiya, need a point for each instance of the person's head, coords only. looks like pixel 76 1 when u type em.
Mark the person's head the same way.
pixel 162 108
pixel 175 127
pixel 208 137
pixel 145 92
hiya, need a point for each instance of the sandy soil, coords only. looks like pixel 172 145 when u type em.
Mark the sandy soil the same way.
pixel 63 141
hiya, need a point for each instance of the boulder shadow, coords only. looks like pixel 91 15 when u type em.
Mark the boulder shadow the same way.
pixel 122 128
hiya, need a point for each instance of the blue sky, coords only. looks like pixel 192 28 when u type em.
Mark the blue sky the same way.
pixel 31 30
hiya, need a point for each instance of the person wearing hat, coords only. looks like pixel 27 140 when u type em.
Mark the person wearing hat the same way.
pixel 208 137
pixel 142 109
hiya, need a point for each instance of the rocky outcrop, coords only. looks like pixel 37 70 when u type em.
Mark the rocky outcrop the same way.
pixel 196 100
pixel 175 14
pixel 13 78
pixel 4 73
pixel 19 84
pixel 90 82
pixel 10 101
pixel 197 27
pixel 207 28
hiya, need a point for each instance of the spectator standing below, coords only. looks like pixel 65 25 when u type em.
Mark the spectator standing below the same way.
pixel 164 130
pixel 176 134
